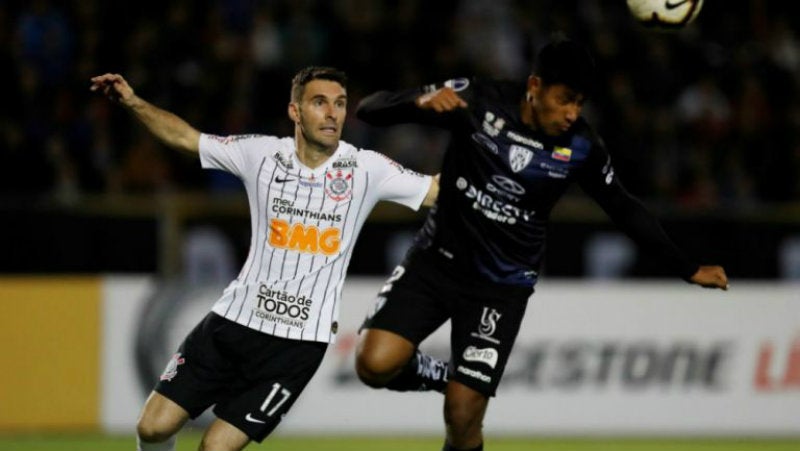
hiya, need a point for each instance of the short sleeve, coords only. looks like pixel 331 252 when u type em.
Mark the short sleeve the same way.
pixel 399 184
pixel 230 153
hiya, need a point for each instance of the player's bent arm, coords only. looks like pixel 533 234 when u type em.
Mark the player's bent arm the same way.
pixel 167 127
pixel 433 192
pixel 442 100
pixel 388 108
pixel 408 106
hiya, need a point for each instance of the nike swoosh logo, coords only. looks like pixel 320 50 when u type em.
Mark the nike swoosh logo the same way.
pixel 278 179
pixel 670 5
pixel 253 420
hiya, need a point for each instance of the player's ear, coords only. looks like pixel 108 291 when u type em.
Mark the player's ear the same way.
pixel 534 83
pixel 294 112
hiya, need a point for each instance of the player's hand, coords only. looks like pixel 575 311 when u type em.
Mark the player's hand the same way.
pixel 710 277
pixel 442 100
pixel 114 87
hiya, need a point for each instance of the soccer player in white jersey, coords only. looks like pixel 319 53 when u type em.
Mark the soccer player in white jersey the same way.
pixel 266 335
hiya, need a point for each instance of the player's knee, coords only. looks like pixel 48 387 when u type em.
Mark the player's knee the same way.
pixel 151 432
pixel 381 356
pixel 376 369
pixel 460 415
pixel 371 371
pixel 463 415
pixel 214 444
pixel 462 422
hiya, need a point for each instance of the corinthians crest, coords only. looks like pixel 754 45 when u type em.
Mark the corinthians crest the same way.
pixel 519 157
pixel 172 367
pixel 339 184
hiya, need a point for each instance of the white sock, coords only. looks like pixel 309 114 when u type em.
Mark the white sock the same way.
pixel 168 445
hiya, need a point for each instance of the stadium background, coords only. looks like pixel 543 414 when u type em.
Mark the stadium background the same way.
pixel 702 125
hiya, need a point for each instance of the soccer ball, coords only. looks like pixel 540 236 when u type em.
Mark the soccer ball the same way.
pixel 665 14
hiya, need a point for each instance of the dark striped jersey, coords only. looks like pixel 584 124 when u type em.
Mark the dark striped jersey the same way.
pixel 500 180
pixel 304 224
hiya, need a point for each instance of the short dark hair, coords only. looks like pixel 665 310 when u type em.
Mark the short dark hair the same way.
pixel 310 73
pixel 564 61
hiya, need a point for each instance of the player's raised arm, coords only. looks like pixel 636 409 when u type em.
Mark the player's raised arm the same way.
pixel 442 100
pixel 167 127
pixel 410 106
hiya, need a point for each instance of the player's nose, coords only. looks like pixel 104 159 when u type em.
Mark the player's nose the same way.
pixel 572 113
pixel 331 112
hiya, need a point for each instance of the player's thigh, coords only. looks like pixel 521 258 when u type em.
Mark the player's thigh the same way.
pixel 202 372
pixel 160 418
pixel 223 436
pixel 409 307
pixel 277 370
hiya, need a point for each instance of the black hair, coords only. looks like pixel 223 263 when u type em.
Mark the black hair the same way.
pixel 564 61
pixel 315 73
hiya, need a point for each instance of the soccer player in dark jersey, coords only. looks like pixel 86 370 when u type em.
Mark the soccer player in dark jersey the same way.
pixel 515 148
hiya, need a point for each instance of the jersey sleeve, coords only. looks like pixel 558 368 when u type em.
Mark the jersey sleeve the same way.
pixel 598 180
pixel 398 107
pixel 396 183
pixel 229 153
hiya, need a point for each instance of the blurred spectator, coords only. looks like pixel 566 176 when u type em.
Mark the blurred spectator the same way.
pixel 144 168
pixel 45 41
pixel 706 117
pixel 489 38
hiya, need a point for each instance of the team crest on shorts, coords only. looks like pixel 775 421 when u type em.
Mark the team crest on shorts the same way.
pixel 488 325
pixel 339 184
pixel 172 367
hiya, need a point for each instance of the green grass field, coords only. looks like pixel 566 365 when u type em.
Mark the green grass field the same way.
pixel 189 441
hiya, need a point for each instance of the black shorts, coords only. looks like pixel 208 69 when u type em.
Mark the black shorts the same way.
pixel 425 291
pixel 253 378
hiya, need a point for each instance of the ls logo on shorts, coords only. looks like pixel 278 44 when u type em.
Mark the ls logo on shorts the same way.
pixel 488 325
pixel 172 367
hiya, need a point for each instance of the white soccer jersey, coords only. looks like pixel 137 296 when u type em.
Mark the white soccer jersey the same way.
pixel 304 225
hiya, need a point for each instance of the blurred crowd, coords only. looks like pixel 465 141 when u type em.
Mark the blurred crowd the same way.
pixel 707 117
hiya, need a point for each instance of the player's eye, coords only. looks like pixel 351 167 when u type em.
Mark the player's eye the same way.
pixel 568 99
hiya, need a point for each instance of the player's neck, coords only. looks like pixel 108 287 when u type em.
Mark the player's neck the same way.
pixel 312 155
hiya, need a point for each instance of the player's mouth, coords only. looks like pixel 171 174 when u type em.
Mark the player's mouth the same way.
pixel 328 129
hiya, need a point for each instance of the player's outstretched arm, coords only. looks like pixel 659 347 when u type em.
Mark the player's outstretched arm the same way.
pixel 167 127
pixel 710 277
